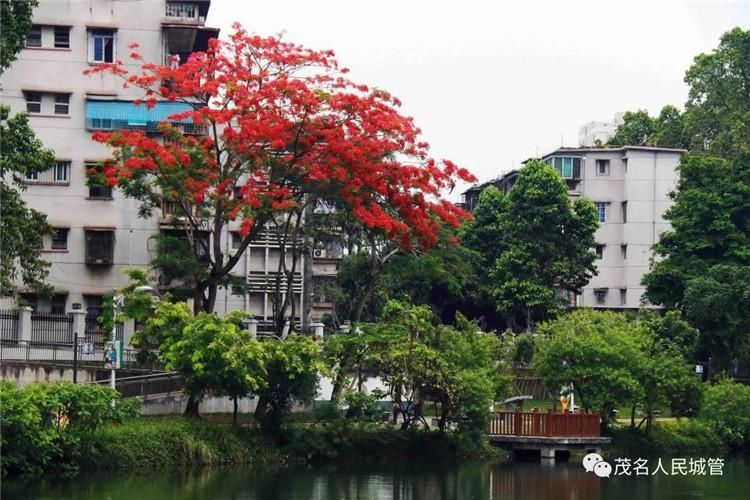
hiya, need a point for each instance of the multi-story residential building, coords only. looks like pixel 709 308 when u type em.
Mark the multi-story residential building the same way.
pixel 630 186
pixel 98 231
pixel 592 132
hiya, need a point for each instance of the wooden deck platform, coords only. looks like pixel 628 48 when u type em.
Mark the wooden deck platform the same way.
pixel 547 432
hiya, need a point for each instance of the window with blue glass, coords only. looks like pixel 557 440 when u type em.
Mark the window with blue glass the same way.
pixel 102 45
pixel 601 210
pixel 119 115
pixel 569 167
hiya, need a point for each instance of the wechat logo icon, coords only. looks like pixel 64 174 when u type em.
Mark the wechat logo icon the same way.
pixel 593 462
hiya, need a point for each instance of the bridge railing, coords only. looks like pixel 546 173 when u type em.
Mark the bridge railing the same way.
pixel 517 423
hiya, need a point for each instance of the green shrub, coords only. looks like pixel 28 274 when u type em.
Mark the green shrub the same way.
pixel 363 407
pixel 673 438
pixel 25 445
pixel 47 426
pixel 726 407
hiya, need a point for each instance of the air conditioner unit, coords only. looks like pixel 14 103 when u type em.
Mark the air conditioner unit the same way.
pixel 320 253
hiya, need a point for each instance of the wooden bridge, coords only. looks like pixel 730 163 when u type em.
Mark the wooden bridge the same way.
pixel 549 433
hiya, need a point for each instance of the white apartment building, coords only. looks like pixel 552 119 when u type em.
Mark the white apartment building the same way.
pixel 99 233
pixel 630 186
pixel 601 131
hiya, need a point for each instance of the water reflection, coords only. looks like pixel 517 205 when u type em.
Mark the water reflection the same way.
pixel 480 481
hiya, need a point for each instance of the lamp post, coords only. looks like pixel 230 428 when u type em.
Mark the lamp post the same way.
pixel 119 301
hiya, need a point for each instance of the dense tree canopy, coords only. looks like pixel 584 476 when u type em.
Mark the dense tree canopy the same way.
pixel 285 127
pixel 717 112
pixel 667 130
pixel 705 257
pixel 16 20
pixel 547 246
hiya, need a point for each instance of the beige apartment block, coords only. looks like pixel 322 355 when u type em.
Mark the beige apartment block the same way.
pixel 99 233
pixel 630 186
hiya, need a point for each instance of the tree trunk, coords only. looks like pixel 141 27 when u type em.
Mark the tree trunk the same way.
pixel 338 383
pixel 632 417
pixel 234 414
pixel 191 410
pixel 260 409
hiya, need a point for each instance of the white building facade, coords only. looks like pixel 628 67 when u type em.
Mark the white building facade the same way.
pixel 98 231
pixel 630 186
pixel 598 131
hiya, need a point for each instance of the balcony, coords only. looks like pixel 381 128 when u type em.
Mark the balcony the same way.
pixel 124 115
pixel 184 12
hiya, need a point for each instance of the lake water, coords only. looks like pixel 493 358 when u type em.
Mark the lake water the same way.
pixel 480 481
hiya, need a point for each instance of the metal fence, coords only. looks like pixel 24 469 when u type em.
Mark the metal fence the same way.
pixel 9 325
pixel 144 386
pixel 48 328
pixel 87 355
pixel 96 334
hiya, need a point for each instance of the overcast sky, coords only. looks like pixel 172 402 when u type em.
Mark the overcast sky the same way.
pixel 493 83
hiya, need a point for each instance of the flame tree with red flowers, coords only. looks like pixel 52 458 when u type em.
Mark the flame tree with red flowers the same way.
pixel 284 127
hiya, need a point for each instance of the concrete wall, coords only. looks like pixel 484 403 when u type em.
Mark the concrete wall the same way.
pixel 23 374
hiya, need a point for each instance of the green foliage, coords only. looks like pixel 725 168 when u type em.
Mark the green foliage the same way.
pixel 636 129
pixel 613 361
pixel 16 18
pixel 725 408
pixel 704 266
pixel 548 244
pixel 363 407
pixel 424 362
pixel 180 442
pixel 292 368
pixel 718 107
pixel 49 425
pixel 212 354
pixel 678 438
pixel 523 351
pixel 23 229
pixel 594 350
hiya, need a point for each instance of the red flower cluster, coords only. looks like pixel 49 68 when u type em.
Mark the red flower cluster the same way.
pixel 284 122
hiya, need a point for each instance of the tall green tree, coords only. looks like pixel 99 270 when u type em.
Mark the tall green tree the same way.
pixel 705 257
pixel 548 246
pixel 15 16
pixel 22 229
pixel 666 130
pixel 717 112
pixel 635 130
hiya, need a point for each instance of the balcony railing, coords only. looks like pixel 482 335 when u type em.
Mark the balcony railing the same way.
pixel 182 10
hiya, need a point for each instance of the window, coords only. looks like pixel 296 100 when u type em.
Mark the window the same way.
pixel 624 207
pixel 102 46
pixel 601 210
pixel 236 240
pixel 62 104
pixel 62 37
pixel 602 167
pixel 322 288
pixel 600 296
pixel 58 174
pixel 237 192
pixel 98 190
pixel 569 167
pixel 623 296
pixel 61 171
pixel 599 251
pixel 58 303
pixel 100 247
pixel 33 102
pixel 60 238
pixel 624 251
pixel 34 38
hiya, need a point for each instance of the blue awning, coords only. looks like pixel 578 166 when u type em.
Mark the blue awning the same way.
pixel 126 110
